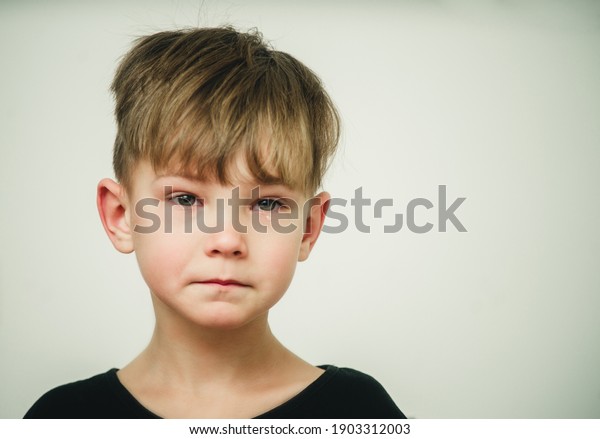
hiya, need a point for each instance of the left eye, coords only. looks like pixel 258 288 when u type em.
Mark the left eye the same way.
pixel 268 204
pixel 185 200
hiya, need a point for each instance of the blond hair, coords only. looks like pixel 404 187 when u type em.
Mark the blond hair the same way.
pixel 192 100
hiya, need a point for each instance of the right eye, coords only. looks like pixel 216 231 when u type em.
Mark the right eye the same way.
pixel 185 200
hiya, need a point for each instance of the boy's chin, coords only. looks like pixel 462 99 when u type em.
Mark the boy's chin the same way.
pixel 227 321
pixel 209 315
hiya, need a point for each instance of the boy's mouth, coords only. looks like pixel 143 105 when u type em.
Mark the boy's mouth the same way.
pixel 223 282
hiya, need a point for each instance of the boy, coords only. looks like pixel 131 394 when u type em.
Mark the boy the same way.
pixel 222 143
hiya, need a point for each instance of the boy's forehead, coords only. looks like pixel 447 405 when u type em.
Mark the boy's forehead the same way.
pixel 234 181
pixel 238 176
pixel 238 166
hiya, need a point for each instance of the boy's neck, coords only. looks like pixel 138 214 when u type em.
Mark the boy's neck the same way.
pixel 191 355
pixel 215 352
pixel 187 371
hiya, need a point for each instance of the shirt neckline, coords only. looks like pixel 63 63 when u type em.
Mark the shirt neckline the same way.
pixel 126 398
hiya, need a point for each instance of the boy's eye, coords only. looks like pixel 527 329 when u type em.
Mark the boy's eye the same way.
pixel 185 200
pixel 268 204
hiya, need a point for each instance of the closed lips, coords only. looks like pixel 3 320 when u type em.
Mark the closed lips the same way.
pixel 223 282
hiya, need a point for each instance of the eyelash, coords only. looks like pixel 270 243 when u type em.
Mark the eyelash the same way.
pixel 273 204
pixel 192 200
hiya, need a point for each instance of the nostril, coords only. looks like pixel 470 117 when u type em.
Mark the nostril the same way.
pixel 216 251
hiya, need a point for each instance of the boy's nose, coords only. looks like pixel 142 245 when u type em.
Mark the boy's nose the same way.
pixel 227 242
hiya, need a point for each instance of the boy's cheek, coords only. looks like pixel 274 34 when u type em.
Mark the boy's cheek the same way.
pixel 145 216
pixel 286 222
pixel 280 273
pixel 280 252
pixel 160 257
pixel 151 217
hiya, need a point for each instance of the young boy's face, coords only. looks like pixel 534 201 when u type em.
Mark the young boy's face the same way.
pixel 224 278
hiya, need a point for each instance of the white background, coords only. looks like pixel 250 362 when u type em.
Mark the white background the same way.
pixel 498 100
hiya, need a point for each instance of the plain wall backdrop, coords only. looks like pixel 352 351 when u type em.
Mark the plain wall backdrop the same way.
pixel 497 100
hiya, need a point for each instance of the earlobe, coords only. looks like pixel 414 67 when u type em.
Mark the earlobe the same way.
pixel 112 206
pixel 314 223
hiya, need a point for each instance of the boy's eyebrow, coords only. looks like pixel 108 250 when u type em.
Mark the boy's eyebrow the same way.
pixel 181 176
pixel 244 184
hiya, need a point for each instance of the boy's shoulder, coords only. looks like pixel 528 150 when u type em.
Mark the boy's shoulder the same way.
pixel 99 397
pixel 338 393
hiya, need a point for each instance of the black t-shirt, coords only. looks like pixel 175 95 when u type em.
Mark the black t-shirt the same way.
pixel 339 393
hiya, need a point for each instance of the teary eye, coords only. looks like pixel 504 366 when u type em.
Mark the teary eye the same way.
pixel 268 204
pixel 185 200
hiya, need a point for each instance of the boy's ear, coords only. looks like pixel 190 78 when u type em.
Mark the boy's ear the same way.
pixel 314 223
pixel 112 206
